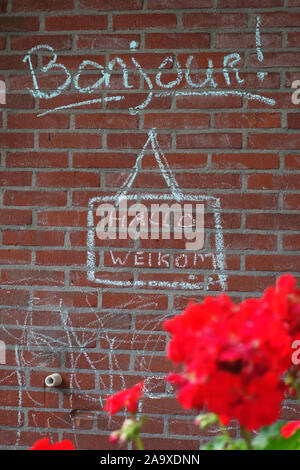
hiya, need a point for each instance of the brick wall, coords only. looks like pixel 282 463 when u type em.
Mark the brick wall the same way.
pixel 226 127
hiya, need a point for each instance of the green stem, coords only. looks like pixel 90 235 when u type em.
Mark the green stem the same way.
pixel 227 435
pixel 139 443
pixel 297 391
pixel 247 437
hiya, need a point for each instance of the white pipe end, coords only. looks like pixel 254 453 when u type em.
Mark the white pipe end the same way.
pixel 53 380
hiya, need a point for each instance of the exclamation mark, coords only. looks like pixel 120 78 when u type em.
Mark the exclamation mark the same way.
pixel 260 56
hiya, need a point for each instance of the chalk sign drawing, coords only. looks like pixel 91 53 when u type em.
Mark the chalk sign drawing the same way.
pixel 175 193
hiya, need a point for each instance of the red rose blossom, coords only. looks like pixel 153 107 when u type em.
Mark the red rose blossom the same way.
pixel 45 444
pixel 290 428
pixel 128 398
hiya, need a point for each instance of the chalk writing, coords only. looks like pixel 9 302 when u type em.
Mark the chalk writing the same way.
pixel 231 72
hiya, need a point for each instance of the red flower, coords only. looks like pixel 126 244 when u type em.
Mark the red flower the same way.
pixel 234 356
pixel 290 428
pixel 45 444
pixel 128 398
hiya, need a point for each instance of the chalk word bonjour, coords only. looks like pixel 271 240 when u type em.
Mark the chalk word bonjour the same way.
pixel 230 71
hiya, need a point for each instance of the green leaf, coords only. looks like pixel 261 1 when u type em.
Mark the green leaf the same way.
pixel 266 435
pixel 270 438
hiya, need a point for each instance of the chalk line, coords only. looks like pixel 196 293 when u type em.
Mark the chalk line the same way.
pixel 82 103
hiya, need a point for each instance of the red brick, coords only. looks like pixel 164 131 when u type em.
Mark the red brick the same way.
pixel 155 364
pixel 20 101
pixel 215 20
pixel 293 121
pixel 178 161
pixel 92 441
pixel 70 140
pixel 2 42
pixel 61 258
pixel 100 361
pixel 247 241
pixel 35 5
pixel 291 201
pixel 147 60
pixel 68 179
pixel 111 5
pixel 69 299
pixel 31 121
pixel 15 217
pixel 33 238
pixel 16 178
pixel 177 121
pixel 208 102
pixel 30 277
pixel 25 43
pixel 200 60
pixel 282 101
pixel 103 320
pixel 209 180
pixel 242 283
pixel 37 160
pixel 178 4
pixel 291 242
pixel 14 297
pixel 15 257
pixel 58 420
pixel 35 198
pixel 170 444
pixel 134 301
pixel 277 263
pixel 249 201
pixel 273 182
pixel 103 160
pixel 177 41
pixel 16 140
pixel 105 121
pixel 276 59
pixel 75 22
pixel 273 141
pixel 62 219
pixel 8 62
pixel 79 278
pixel 284 19
pixel 247 40
pixel 195 141
pixel 250 3
pixel 136 141
pixel 247 120
pixel 292 162
pixel 144 21
pixel 293 39
pixel 11 418
pixel 18 23
pixel 270 221
pixel 132 100
pixel 106 41
pixel 240 161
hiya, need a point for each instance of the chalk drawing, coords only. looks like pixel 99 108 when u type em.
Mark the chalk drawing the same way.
pixel 78 342
pixel 230 71
pixel 134 45
pixel 260 56
pixel 174 193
